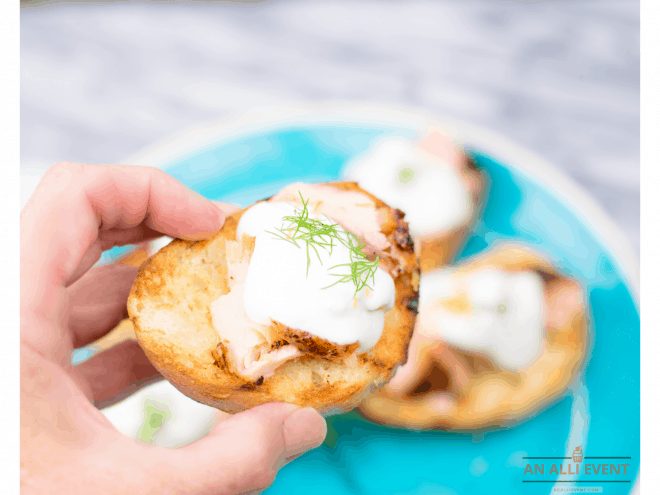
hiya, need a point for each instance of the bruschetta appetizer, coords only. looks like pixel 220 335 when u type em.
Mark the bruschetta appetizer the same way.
pixel 309 297
pixel 497 338
pixel 434 181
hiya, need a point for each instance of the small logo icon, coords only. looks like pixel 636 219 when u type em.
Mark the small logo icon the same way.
pixel 577 454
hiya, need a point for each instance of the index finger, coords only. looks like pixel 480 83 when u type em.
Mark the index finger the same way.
pixel 73 203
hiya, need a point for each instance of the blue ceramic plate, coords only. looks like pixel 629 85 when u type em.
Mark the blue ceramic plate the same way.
pixel 528 202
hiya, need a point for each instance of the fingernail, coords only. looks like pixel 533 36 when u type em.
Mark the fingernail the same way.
pixel 214 221
pixel 220 215
pixel 227 208
pixel 304 429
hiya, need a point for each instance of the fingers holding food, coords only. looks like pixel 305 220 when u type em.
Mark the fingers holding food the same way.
pixel 97 301
pixel 130 371
pixel 108 295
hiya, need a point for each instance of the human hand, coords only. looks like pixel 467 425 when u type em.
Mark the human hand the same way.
pixel 67 445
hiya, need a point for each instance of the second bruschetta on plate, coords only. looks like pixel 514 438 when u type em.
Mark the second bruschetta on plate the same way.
pixel 433 181
pixel 497 338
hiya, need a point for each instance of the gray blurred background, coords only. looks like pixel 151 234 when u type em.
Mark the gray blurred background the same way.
pixel 561 77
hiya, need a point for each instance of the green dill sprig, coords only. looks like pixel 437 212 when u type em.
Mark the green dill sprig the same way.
pixel 155 416
pixel 361 270
pixel 406 174
pixel 314 234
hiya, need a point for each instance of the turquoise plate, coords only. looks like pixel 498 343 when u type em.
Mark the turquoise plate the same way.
pixel 600 413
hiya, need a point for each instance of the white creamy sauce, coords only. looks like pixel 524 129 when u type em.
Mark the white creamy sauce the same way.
pixel 429 190
pixel 246 340
pixel 185 420
pixel 495 312
pixel 159 243
pixel 281 286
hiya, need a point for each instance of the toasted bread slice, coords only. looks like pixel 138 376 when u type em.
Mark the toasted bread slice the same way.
pixel 169 307
pixel 446 388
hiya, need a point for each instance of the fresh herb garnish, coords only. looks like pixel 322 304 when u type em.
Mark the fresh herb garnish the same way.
pixel 406 174
pixel 314 234
pixel 155 416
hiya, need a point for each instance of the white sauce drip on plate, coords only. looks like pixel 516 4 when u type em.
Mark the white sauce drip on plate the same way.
pixel 495 312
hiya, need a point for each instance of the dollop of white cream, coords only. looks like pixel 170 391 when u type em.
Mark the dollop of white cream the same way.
pixel 430 191
pixel 159 243
pixel 495 312
pixel 282 286
pixel 186 420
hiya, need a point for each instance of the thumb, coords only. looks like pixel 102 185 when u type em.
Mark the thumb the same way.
pixel 244 452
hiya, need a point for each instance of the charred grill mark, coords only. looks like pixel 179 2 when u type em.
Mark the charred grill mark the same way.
pixel 396 271
pixel 412 303
pixel 219 357
pixel 310 344
pixel 401 233
pixel 403 238
pixel 277 344
pixel 252 385
pixel 216 357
